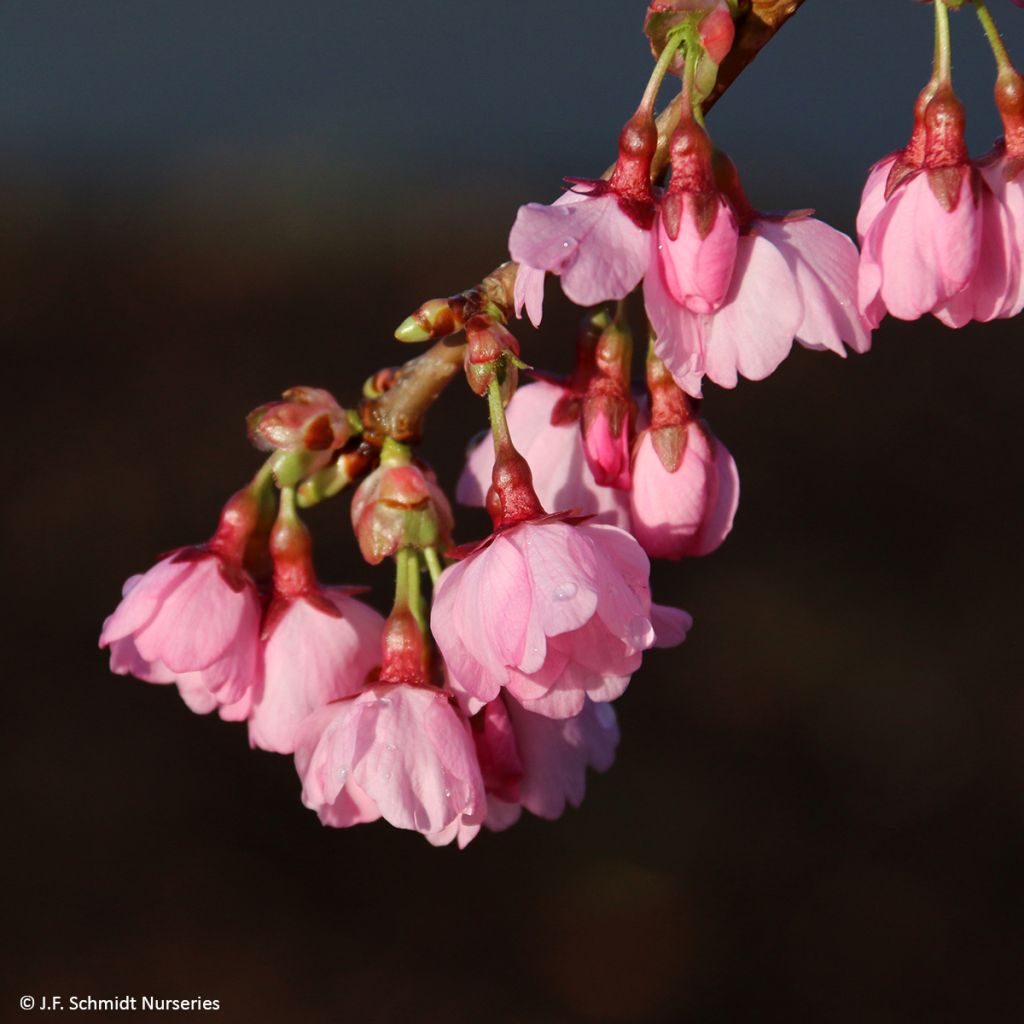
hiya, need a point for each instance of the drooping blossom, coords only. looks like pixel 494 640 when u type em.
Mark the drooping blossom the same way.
pixel 697 235
pixel 319 643
pixel 539 763
pixel 554 449
pixel 198 610
pixel 553 612
pixel 923 214
pixel 125 660
pixel 320 647
pixel 596 235
pixel 395 751
pixel 794 278
pixel 686 511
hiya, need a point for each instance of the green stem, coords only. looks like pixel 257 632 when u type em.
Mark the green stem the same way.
pixel 943 60
pixel 434 566
pixel 496 408
pixel 995 40
pixel 672 44
pixel 693 52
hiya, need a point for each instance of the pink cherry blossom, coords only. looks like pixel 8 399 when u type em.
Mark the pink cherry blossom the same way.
pixel 917 254
pixel 398 752
pixel 688 511
pixel 793 279
pixel 561 476
pixel 540 763
pixel 996 288
pixel 192 612
pixel 126 660
pixel 696 263
pixel 588 238
pixel 312 657
pixel 553 612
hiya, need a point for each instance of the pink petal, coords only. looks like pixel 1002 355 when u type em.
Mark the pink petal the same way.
pixel 824 262
pixel 697 270
pixel 753 332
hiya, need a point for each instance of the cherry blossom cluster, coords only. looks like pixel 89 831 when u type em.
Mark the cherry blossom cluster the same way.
pixel 488 687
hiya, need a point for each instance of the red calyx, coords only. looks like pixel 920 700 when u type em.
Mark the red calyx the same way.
pixel 631 179
pixel 511 498
pixel 292 551
pixel 1010 103
pixel 405 657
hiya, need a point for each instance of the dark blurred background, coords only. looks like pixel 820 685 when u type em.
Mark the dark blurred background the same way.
pixel 816 814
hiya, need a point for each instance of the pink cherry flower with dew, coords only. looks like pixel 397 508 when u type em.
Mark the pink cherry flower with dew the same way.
pixel 538 763
pixel 198 611
pixel 686 511
pixel 395 751
pixel 554 449
pixel 595 236
pixel 553 612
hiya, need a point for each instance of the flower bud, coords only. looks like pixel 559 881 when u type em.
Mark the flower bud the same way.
pixel 303 431
pixel 400 506
pixel 608 410
pixel 491 350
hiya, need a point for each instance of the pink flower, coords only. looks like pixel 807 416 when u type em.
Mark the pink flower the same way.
pixel 320 647
pixel 540 763
pixel 696 261
pixel 553 612
pixel 996 289
pixel 599 250
pixel 918 252
pixel 794 278
pixel 606 442
pixel 194 612
pixel 126 660
pixel 396 751
pixel 697 235
pixel 686 510
pixel 554 450
pixel 596 236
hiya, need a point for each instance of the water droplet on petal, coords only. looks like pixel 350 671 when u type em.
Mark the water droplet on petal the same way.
pixel 639 632
pixel 341 773
pixel 447 791
pixel 566 243
pixel 387 776
pixel 565 591
pixel 386 701
pixel 390 746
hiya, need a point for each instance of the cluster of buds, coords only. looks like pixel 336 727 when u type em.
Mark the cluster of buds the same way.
pixel 488 688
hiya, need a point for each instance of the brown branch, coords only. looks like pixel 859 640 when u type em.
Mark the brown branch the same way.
pixel 414 387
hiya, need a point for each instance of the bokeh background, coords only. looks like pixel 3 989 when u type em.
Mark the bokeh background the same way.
pixel 817 810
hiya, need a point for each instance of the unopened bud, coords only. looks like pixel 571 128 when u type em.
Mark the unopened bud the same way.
pixel 400 506
pixel 491 351
pixel 437 318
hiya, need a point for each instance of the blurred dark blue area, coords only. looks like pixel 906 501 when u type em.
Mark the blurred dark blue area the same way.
pixel 817 810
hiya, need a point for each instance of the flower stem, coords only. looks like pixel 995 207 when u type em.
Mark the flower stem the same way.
pixel 672 44
pixel 943 59
pixel 995 40
pixel 496 409
pixel 434 566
